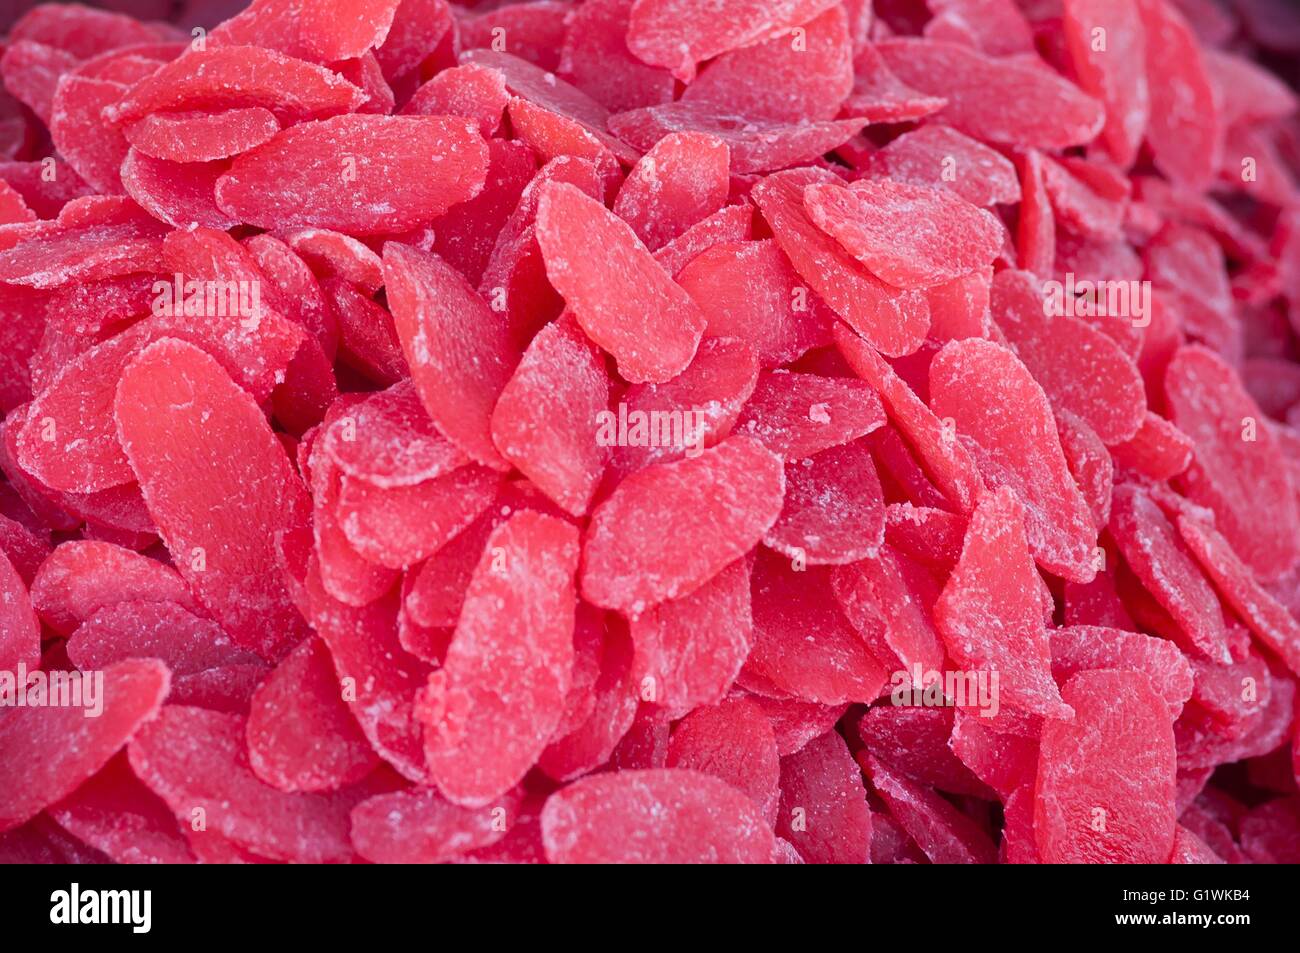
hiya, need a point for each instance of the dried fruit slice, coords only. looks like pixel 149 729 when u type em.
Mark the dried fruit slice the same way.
pixel 911 236
pixel 972 382
pixel 732 741
pixel 1105 787
pixel 620 296
pixel 417 826
pixel 823 810
pixel 941 157
pixel 834 511
pixel 197 761
pixel 664 33
pixel 1081 369
pixel 47 751
pixel 458 348
pixel 179 413
pixel 681 181
pixel 798 415
pixel 668 529
pixel 990 613
pixel 20 631
pixel 202 136
pixel 1183 131
pixel 1087 647
pixel 82 576
pixel 1107 45
pixel 1154 551
pixel 548 418
pixel 301 736
pixel 999 100
pixel 361 174
pixel 654 817
pixel 689 650
pixel 492 707
pixel 892 321
pixel 945 834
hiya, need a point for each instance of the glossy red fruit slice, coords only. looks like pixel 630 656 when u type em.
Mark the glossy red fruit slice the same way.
pixel 823 810
pixel 732 741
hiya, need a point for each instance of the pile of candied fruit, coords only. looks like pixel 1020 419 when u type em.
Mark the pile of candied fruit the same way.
pixel 743 431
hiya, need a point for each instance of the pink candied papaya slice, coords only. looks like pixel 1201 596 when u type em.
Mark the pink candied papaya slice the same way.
pixel 655 816
pixel 239 77
pixel 595 58
pixel 179 194
pixel 621 297
pixel 681 181
pixel 1154 551
pixel 999 100
pixel 834 511
pixel 547 419
pixel 972 382
pixel 1105 786
pixel 752 293
pixel 941 831
pixel 418 826
pixel 892 320
pixel 916 741
pixel 1082 648
pixel 978 174
pixel 990 612
pixel 798 415
pixel 823 810
pixel 458 348
pixel 1107 45
pixel 492 707
pixel 343 29
pixel 688 651
pixel 1158 450
pixel 197 761
pixel 1081 369
pixel 83 575
pixel 20 630
pixel 671 35
pixel 732 741
pixel 301 736
pixel 668 529
pixel 179 413
pixel 1233 470
pixel 49 750
pixel 362 174
pixel 911 236
pixel 202 136
pixel 804 647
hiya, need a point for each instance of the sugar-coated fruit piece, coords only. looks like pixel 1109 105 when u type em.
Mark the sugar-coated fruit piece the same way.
pixel 1081 369
pixel 834 510
pixel 916 741
pixel 596 59
pixel 342 29
pixel 902 592
pixel 990 614
pixel 688 651
pixel 48 750
pixel 654 817
pixel 681 181
pixel 880 96
pixel 1154 551
pixel 82 576
pixel 980 175
pixel 1233 469
pixel 823 810
pixel 998 100
pixel 84 139
pixel 668 34
pixel 1114 72
pixel 733 741
pixel 1158 450
pixel 417 826
pixel 150 628
pixel 492 707
pixel 472 91
pixel 115 813
pixel 178 413
pixel 788 78
pixel 972 383
pixel 804 647
pixel 944 834
pixel 891 320
pixel 362 174
pixel 751 292
pixel 179 194
pixel 458 349
pixel 668 529
pixel 798 415
pixel 1089 463
pixel 202 136
pixel 1183 131
pixel 547 420
pixel 1115 762
pixel 1086 647
pixel 235 77
pixel 911 236
pixel 301 736
pixel 197 761
pixel 20 631
pixel 621 297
